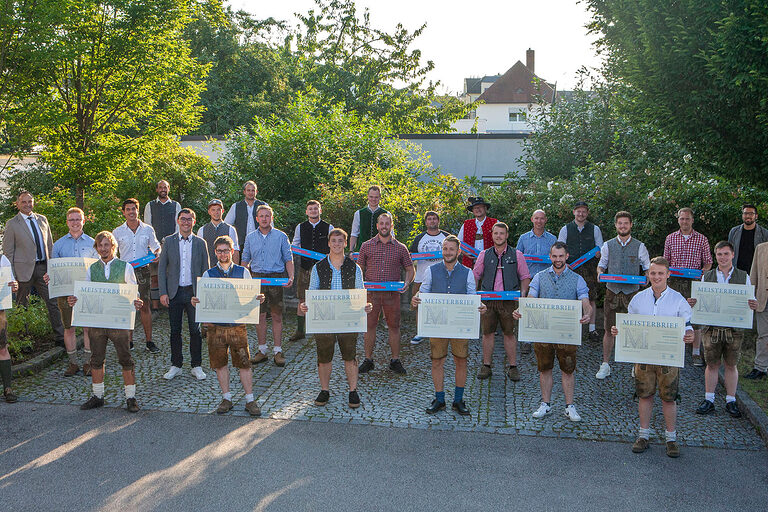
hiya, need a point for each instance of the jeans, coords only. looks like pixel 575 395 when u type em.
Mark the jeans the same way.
pixel 181 302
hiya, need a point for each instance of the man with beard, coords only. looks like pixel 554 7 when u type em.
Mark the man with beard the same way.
pixel 216 228
pixel 623 255
pixel 242 214
pixel 365 219
pixel 746 237
pixel 161 214
pixel 476 232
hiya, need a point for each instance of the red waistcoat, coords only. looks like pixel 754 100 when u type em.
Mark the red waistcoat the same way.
pixel 470 230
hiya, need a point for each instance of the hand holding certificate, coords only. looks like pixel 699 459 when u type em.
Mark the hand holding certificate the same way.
pixel 723 305
pixel 550 321
pixel 63 272
pixel 336 311
pixel 106 305
pixel 228 301
pixel 648 339
pixel 448 315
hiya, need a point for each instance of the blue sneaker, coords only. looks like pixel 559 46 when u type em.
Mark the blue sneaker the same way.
pixel 416 340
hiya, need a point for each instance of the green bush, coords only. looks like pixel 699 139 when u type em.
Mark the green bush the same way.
pixel 26 326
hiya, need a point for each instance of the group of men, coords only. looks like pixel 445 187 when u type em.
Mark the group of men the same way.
pixel 577 257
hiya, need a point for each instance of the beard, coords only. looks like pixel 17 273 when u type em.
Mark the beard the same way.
pixel 385 233
pixel 558 265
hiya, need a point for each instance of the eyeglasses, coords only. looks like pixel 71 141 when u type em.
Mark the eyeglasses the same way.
pixel 186 219
pixel 222 251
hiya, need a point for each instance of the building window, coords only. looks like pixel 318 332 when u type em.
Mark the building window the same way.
pixel 517 116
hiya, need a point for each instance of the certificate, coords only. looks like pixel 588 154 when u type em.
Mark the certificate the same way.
pixel 6 295
pixel 648 339
pixel 228 300
pixel 63 273
pixel 336 311
pixel 550 321
pixel 723 305
pixel 107 305
pixel 449 315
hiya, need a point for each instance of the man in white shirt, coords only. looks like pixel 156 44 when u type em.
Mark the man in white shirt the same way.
pixel 364 220
pixel 658 300
pixel 216 228
pixel 135 239
pixel 242 214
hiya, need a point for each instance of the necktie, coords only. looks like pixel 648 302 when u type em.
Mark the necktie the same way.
pixel 37 239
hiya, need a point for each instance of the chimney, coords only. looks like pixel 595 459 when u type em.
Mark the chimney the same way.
pixel 529 59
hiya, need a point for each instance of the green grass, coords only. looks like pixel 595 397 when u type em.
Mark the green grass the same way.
pixel 757 389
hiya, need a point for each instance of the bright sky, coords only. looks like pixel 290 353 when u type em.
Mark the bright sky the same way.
pixel 486 40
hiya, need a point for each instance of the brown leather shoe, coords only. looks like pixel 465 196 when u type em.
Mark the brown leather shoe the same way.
pixel 513 373
pixel 484 373
pixel 71 370
pixel 640 445
pixel 224 407
pixel 259 358
pixel 87 369
pixel 698 360
pixel 10 396
pixel 279 359
pixel 672 449
pixel 131 405
pixel 253 408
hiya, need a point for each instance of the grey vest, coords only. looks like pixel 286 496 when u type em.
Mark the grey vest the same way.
pixel 564 287
pixel 241 218
pixel 738 276
pixel 508 270
pixel 624 260
pixel 210 234
pixel 455 282
pixel 163 217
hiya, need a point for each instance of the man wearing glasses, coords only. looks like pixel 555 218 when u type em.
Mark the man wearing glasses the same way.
pixel 746 237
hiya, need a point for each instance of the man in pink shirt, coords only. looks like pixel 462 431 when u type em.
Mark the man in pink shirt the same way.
pixel 500 268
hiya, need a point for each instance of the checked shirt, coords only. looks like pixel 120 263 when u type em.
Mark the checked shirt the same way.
pixel 383 261
pixel 692 253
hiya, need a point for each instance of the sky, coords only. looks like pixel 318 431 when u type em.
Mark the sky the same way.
pixel 484 37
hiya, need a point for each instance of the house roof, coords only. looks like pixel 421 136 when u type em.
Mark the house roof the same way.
pixel 473 85
pixel 517 86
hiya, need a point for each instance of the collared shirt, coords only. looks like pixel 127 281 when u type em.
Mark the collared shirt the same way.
pixel 5 262
pixel 426 284
pixel 148 210
pixel 669 303
pixel 130 276
pixel 246 274
pixel 133 246
pixel 562 236
pixel 356 221
pixel 498 282
pixel 267 253
pixel 251 226
pixel 71 247
pixel 297 233
pixel 232 234
pixel 383 261
pixel 314 279
pixel 185 260
pixel 479 244
pixel 726 278
pixel 32 231
pixel 642 254
pixel 582 290
pixel 530 243
pixel 692 252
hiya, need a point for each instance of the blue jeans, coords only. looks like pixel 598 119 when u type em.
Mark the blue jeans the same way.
pixel 180 303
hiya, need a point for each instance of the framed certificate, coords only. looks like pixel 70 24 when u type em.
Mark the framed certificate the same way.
pixel 228 300
pixel 107 305
pixel 723 305
pixel 63 272
pixel 449 315
pixel 336 311
pixel 550 321
pixel 6 295
pixel 648 339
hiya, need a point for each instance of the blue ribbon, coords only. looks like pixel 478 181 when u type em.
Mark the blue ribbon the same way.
pixel 506 295
pixel 384 286
pixel 273 281
pixel 306 253
pixel 537 258
pixel 143 261
pixel 621 279
pixel 688 273
pixel 584 258
pixel 434 255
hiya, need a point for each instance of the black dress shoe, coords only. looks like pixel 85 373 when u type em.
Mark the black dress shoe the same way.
pixel 151 347
pixel 396 366
pixel 755 374
pixel 733 409
pixel 461 408
pixel 92 403
pixel 366 366
pixel 705 407
pixel 436 406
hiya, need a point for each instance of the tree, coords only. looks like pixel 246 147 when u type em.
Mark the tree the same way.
pixel 99 81
pixel 697 69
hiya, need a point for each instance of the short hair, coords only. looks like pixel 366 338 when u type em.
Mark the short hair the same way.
pixel 685 210
pixel 454 239
pixel 724 243
pixel 748 205
pixel 559 245
pixel 250 182
pixel 187 210
pixel 130 200
pixel 431 213
pixel 660 260
pixel 265 207
pixel 500 224
pixel 224 240
pixel 375 187
pixel 163 181
pixel 313 202
pixel 622 215
pixel 75 209
pixel 24 192
pixel 101 236
pixel 338 232
pixel 386 214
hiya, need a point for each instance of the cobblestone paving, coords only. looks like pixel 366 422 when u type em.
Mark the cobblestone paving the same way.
pixel 607 407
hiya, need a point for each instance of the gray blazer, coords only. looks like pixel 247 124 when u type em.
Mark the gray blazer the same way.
pixel 19 244
pixel 761 235
pixel 170 260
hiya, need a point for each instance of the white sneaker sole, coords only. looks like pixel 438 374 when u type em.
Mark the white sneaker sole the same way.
pixel 578 418
pixel 537 415
pixel 199 378
pixel 168 376
pixel 600 376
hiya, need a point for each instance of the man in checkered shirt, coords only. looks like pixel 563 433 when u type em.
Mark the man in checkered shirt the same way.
pixel 687 248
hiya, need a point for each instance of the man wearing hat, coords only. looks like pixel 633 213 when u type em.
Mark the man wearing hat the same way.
pixel 581 236
pixel 216 228
pixel 477 232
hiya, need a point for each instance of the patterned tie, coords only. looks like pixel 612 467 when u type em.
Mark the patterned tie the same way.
pixel 37 239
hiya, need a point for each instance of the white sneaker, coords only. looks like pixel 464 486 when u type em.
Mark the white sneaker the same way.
pixel 542 411
pixel 174 371
pixel 198 373
pixel 604 371
pixel 570 411
pixel 416 340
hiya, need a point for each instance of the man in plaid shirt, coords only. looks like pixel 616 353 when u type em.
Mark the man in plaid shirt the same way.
pixel 687 248
pixel 383 258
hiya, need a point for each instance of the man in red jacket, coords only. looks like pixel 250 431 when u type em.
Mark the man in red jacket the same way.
pixel 476 232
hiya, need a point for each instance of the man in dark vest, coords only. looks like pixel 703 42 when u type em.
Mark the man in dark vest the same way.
pixel 216 228
pixel 336 272
pixel 500 268
pixel 365 219
pixel 242 214
pixel 746 237
pixel 623 255
pixel 311 234
pixel 476 232
pixel 722 343
pixel 558 282
pixel 448 276
pixel 581 236
pixel 160 213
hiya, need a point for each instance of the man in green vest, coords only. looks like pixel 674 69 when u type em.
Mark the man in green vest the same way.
pixel 110 270
pixel 365 219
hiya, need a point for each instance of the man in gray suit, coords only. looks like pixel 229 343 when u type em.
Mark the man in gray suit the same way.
pixel 184 258
pixel 28 243
pixel 746 237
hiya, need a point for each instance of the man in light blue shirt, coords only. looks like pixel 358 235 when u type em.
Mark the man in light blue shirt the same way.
pixel 537 241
